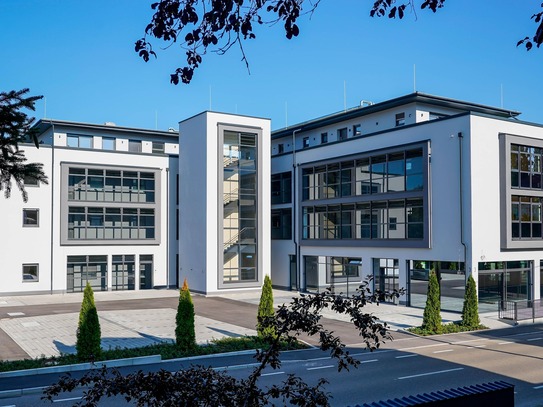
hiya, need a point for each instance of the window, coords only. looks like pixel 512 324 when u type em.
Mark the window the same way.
pixel 280 148
pixel 30 181
pixel 30 273
pixel 400 119
pixel 110 223
pixel 158 147
pixel 31 217
pixel 281 223
pixel 123 273
pixel 78 141
pixel 526 217
pixel 357 130
pixel 305 142
pixel 281 188
pixel 83 269
pixel 111 185
pixel 134 146
pixel 108 143
pixel 526 167
pixel 342 134
pixel 324 138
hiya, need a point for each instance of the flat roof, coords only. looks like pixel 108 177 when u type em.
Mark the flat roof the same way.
pixel 416 97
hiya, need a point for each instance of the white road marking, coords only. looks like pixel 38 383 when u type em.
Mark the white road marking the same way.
pixel 406 356
pixel 320 367
pixel 70 399
pixel 430 373
pixel 272 374
pixel 467 341
pixel 16 314
pixel 443 351
pixel 423 346
pixel 505 343
pixel 538 387
pixel 480 346
pixel 533 339
pixel 369 361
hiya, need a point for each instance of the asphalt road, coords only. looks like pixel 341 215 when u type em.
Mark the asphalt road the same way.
pixel 409 365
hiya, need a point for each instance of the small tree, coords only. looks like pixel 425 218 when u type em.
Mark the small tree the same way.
pixel 185 336
pixel 432 315
pixel 88 330
pixel 265 309
pixel 470 310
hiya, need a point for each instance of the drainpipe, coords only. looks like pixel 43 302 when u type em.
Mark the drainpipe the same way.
pixel 168 206
pixel 294 209
pixel 52 200
pixel 461 194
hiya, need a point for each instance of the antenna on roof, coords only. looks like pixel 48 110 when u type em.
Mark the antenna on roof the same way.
pixel 344 96
pixel 414 78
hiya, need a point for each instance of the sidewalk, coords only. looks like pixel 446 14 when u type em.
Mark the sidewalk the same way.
pixel 55 333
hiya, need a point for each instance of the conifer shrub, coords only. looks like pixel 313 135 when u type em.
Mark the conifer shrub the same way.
pixel 266 312
pixel 431 320
pixel 185 336
pixel 88 330
pixel 470 310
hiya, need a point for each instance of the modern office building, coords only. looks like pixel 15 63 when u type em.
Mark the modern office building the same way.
pixel 107 216
pixel 392 190
pixel 398 188
pixel 113 215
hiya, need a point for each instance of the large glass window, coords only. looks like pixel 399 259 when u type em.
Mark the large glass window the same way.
pixel 240 207
pixel 342 274
pixel 503 281
pixel 526 217
pixel 78 141
pixel 101 223
pixel 83 269
pixel 123 273
pixel 526 168
pixel 394 219
pixel 282 223
pixel 281 188
pixel 109 185
pixel 386 275
pixel 386 173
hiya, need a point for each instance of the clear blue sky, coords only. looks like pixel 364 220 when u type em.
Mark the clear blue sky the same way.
pixel 80 55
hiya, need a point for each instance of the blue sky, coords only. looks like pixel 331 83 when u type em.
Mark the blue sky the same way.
pixel 80 55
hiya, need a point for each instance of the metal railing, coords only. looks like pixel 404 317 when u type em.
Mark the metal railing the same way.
pixel 520 310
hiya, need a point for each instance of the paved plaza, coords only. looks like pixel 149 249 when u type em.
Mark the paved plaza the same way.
pixel 141 322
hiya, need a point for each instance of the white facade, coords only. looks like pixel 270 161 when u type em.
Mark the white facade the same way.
pixel 339 235
pixel 224 202
pixel 127 241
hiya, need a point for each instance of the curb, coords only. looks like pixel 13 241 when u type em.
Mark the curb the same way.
pixel 142 360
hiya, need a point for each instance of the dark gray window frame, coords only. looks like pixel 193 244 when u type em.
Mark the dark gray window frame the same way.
pixel 30 225
pixel 425 242
pixel 37 279
pixel 506 193
pixel 65 203
pixel 221 128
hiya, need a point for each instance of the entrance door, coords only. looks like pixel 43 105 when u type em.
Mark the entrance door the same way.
pixel 146 271
pixel 293 273
pixel 509 281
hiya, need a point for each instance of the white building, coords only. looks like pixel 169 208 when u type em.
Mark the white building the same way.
pixel 107 215
pixel 397 188
pixel 392 190
pixel 112 213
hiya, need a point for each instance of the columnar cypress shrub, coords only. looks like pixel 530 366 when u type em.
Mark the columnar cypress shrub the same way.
pixel 88 330
pixel 185 336
pixel 432 311
pixel 470 310
pixel 265 309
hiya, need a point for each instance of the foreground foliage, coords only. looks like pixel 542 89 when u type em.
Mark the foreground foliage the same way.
pixel 167 350
pixel 203 386
pixel 450 328
pixel 470 309
pixel 15 128
pixel 199 26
